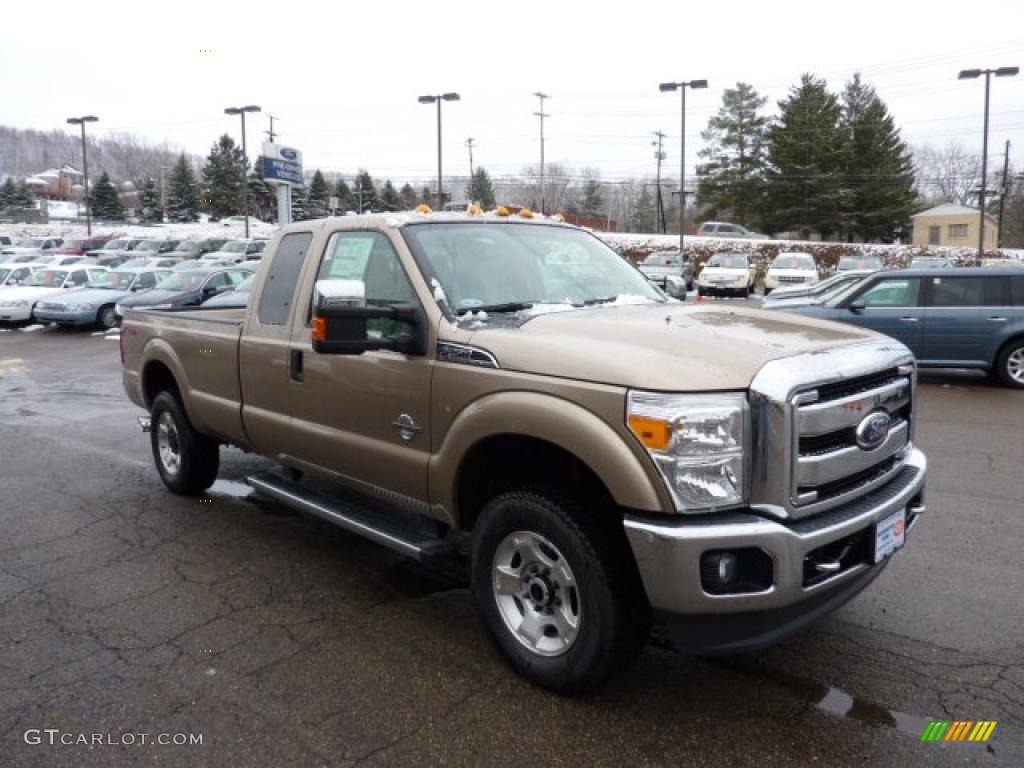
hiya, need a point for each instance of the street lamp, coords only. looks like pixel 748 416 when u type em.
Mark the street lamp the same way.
pixel 681 87
pixel 245 171
pixel 973 74
pixel 431 100
pixel 85 167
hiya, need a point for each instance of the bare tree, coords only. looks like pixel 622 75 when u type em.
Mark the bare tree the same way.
pixel 946 174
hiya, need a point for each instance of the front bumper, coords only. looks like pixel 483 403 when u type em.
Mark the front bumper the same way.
pixel 668 556
pixel 64 317
pixel 15 314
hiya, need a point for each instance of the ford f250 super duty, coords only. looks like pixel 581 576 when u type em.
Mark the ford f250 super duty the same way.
pixel 509 393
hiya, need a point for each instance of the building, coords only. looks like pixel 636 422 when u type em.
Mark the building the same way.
pixel 954 225
pixel 56 183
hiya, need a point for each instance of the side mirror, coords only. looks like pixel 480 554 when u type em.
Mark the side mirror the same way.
pixel 857 306
pixel 339 321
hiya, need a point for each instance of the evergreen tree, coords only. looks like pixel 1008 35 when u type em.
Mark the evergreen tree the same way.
pixel 877 167
pixel 8 193
pixel 390 200
pixel 644 218
pixel 105 203
pixel 427 197
pixel 317 197
pixel 731 177
pixel 223 179
pixel 480 189
pixel 804 175
pixel 592 201
pixel 408 195
pixel 183 193
pixel 262 197
pixel 366 193
pixel 299 212
pixel 346 200
pixel 150 201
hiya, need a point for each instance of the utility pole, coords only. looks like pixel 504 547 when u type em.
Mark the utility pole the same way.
pixel 81 121
pixel 270 132
pixel 240 111
pixel 1002 196
pixel 681 87
pixel 469 143
pixel 163 191
pixel 541 115
pixel 659 155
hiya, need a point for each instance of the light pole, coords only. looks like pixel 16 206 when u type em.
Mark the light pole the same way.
pixel 972 74
pixel 681 87
pixel 431 100
pixel 542 114
pixel 85 167
pixel 245 155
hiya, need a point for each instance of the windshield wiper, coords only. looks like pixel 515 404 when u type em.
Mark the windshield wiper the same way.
pixel 508 306
pixel 599 300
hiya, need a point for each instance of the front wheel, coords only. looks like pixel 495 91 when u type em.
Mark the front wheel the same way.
pixel 186 460
pixel 1010 365
pixel 106 318
pixel 558 589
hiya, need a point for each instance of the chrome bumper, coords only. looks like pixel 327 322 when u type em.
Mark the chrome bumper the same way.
pixel 668 553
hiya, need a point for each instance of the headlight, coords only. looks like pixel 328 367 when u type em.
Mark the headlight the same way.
pixel 79 307
pixel 698 443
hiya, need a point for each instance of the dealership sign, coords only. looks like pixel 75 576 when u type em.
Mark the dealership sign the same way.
pixel 282 165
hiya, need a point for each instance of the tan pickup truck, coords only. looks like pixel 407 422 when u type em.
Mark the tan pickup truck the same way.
pixel 510 394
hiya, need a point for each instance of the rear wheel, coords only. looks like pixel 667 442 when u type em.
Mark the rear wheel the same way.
pixel 558 589
pixel 187 460
pixel 106 318
pixel 1010 365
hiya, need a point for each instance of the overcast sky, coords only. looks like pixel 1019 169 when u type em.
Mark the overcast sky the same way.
pixel 343 82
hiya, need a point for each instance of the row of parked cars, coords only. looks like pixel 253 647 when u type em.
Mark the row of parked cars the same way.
pixel 39 283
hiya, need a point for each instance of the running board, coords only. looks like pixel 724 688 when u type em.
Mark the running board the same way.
pixel 353 517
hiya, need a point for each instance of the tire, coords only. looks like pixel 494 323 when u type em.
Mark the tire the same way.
pixel 553 533
pixel 767 290
pixel 700 291
pixel 1010 365
pixel 186 460
pixel 106 318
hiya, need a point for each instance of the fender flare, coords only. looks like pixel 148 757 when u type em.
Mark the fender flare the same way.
pixel 159 351
pixel 631 482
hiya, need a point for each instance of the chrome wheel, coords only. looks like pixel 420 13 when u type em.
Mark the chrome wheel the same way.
pixel 168 444
pixel 536 593
pixel 1015 365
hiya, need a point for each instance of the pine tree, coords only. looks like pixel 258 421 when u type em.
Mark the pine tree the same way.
pixel 480 189
pixel 149 201
pixel 366 193
pixel 877 167
pixel 105 203
pixel 731 177
pixel 804 175
pixel 592 201
pixel 8 192
pixel 644 219
pixel 409 198
pixel 317 196
pixel 390 200
pixel 223 179
pixel 346 200
pixel 183 193
pixel 299 212
pixel 427 197
pixel 262 197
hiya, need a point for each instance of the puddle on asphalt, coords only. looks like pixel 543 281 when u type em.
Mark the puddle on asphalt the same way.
pixel 231 488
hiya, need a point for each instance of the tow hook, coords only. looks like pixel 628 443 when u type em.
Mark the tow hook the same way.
pixel 145 423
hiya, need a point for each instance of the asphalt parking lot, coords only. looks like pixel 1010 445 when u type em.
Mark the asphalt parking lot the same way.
pixel 281 641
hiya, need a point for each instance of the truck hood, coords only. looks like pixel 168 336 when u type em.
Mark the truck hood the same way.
pixel 807 273
pixel 733 273
pixel 659 346
pixel 659 270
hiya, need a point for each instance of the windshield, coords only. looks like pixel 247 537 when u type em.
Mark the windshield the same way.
pixel 13 276
pixel 729 261
pixel 793 261
pixel 116 245
pixel 246 285
pixel 114 281
pixel 664 260
pixel 53 278
pixel 237 247
pixel 491 265
pixel 860 262
pixel 149 245
pixel 79 244
pixel 31 242
pixel 182 281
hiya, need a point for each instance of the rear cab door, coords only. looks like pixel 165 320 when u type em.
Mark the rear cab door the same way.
pixel 966 318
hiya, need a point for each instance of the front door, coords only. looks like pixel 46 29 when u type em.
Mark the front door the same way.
pixel 366 416
pixel 891 305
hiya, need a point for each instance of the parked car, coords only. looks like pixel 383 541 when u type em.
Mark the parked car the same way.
pixel 923 262
pixel 15 274
pixel 726 229
pixel 236 297
pixel 155 247
pixel 790 268
pixel 859 262
pixel 79 246
pixel 592 461
pixel 817 293
pixel 16 302
pixel 193 249
pixel 28 248
pixel 671 271
pixel 94 303
pixel 729 272
pixel 236 221
pixel 969 318
pixel 237 251
pixel 1001 263
pixel 164 262
pixel 117 245
pixel 184 289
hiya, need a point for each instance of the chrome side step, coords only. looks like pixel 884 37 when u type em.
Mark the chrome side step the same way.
pixel 373 525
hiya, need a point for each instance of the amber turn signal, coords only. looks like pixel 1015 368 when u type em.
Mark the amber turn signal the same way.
pixel 655 434
pixel 319 328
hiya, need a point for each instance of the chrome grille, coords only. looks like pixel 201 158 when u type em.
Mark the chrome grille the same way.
pixel 787 279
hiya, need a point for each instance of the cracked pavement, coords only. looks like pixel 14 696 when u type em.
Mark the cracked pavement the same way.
pixel 283 641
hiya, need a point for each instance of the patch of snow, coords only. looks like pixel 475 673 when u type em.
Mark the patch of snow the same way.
pixel 34 327
pixel 439 295
pixel 628 299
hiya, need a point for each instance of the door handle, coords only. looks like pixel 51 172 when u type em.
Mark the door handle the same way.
pixel 997 319
pixel 908 319
pixel 296 364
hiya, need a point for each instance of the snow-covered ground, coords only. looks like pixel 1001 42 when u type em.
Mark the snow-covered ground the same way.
pixel 197 229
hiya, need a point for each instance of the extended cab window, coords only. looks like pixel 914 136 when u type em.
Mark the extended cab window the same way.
pixel 967 292
pixel 283 275
pixel 369 257
pixel 892 293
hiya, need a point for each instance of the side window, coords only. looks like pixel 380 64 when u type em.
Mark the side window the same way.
pixel 966 292
pixel 237 276
pixel 279 287
pixel 369 257
pixel 893 293
pixel 1017 290
pixel 79 277
pixel 146 280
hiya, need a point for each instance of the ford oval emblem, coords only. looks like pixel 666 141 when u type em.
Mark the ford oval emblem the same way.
pixel 873 430
pixel 288 153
